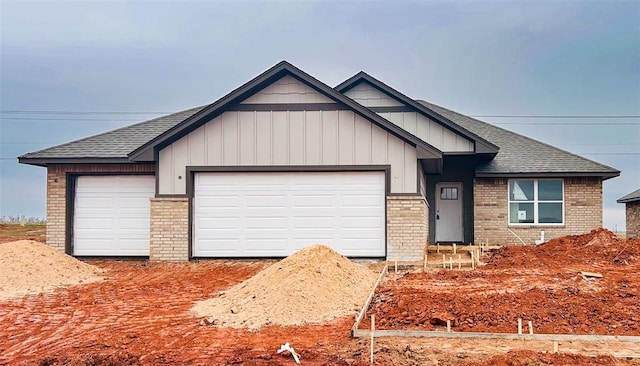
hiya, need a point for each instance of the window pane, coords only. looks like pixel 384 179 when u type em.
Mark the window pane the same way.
pixel 550 190
pixel 521 190
pixel 521 213
pixel 550 213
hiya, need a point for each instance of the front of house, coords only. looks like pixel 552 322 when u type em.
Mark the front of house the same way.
pixel 285 161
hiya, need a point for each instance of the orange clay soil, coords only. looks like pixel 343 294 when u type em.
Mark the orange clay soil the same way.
pixel 12 232
pixel 540 284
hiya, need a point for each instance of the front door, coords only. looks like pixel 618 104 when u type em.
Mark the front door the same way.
pixel 449 212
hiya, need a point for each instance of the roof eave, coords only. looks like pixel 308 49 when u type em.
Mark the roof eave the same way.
pixel 88 160
pixel 603 175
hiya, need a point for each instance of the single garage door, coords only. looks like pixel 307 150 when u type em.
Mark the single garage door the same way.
pixel 276 214
pixel 111 215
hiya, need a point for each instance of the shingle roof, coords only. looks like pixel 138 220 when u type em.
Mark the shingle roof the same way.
pixel 631 197
pixel 116 143
pixel 520 154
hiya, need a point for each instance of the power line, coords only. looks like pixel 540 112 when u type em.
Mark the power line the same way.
pixel 570 124
pixel 67 119
pixel 15 111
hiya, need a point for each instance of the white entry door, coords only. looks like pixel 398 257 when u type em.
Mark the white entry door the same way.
pixel 449 212
pixel 274 214
pixel 111 215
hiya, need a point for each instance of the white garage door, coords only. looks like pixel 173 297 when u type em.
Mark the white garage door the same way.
pixel 276 214
pixel 111 215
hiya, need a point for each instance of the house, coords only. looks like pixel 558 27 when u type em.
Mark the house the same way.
pixel 632 203
pixel 284 161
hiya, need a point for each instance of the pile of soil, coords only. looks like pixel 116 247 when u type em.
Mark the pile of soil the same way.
pixel 29 267
pixel 314 285
pixel 528 358
pixel 600 246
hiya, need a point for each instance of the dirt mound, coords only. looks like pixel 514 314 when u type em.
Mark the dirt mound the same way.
pixel 29 267
pixel 313 285
pixel 598 246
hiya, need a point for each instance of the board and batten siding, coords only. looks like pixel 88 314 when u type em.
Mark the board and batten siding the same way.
pixel 369 96
pixel 287 90
pixel 415 123
pixel 264 138
pixel 430 131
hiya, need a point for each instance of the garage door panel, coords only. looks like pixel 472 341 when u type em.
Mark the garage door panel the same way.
pixel 111 215
pixel 279 213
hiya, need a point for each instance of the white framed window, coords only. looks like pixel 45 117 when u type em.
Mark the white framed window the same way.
pixel 536 202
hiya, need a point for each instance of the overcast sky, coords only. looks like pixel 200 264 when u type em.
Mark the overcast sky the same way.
pixel 479 58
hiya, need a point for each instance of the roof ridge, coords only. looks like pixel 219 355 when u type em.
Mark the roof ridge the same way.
pixel 196 109
pixel 522 136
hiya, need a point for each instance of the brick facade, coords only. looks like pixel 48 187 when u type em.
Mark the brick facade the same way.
pixel 583 212
pixel 57 193
pixel 633 219
pixel 169 229
pixel 407 227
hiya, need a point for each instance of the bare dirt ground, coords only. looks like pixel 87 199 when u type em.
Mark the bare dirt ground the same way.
pixel 14 232
pixel 140 316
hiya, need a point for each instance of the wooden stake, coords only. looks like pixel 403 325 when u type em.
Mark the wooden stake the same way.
pixel 450 262
pixel 396 266
pixel 438 248
pixel 473 261
pixel 373 329
pixel 424 268
pixel 459 262
pixel 519 326
pixel 530 327
pixel 454 248
pixel 444 262
pixel 448 326
pixel 555 346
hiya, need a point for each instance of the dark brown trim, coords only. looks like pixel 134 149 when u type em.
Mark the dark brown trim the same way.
pixel 481 144
pixel 46 161
pixel 70 198
pixel 279 70
pixel 72 178
pixel 288 107
pixel 400 108
pixel 192 170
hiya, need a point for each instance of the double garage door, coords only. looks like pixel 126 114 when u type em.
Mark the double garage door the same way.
pixel 261 214
pixel 270 214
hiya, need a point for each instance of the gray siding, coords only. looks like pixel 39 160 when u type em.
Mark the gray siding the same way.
pixel 287 90
pixel 288 138
pixel 368 96
pixel 430 131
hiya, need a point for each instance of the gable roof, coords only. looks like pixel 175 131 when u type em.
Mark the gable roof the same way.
pixel 145 152
pixel 482 146
pixel 631 197
pixel 108 147
pixel 523 156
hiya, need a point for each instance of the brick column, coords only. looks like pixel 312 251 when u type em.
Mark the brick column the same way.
pixel 169 229
pixel 56 208
pixel 407 227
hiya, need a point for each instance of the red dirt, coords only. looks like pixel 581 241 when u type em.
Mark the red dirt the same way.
pixel 529 358
pixel 142 314
pixel 539 284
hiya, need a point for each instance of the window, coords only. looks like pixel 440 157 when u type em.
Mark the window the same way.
pixel 536 201
pixel 449 193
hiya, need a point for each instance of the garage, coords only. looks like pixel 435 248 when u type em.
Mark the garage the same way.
pixel 111 215
pixel 273 214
